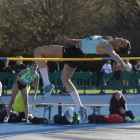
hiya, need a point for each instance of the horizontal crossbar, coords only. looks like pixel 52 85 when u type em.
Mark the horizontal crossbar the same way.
pixel 66 59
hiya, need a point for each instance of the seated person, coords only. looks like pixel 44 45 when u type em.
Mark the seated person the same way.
pixel 118 106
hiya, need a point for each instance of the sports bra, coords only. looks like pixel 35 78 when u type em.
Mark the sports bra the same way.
pixel 89 45
pixel 26 78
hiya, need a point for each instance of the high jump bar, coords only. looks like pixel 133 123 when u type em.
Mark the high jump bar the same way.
pixel 66 59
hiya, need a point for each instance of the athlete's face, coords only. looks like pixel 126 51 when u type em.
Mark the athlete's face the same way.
pixel 34 66
pixel 120 43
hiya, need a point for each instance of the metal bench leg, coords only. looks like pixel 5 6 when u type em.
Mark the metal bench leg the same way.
pixel 44 111
pixel 47 108
pixel 99 114
pixel 49 112
pixel 32 110
pixel 38 112
pixel 94 114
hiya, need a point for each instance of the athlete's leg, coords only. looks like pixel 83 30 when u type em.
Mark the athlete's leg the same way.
pixel 24 94
pixel 66 75
pixel 53 51
pixel 13 97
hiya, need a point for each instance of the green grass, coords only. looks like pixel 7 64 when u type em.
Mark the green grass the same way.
pixel 94 91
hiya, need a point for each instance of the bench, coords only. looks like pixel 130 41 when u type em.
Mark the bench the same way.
pixel 32 105
pixel 48 106
pixel 4 103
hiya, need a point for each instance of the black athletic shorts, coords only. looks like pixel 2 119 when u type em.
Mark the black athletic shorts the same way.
pixel 73 52
pixel 21 86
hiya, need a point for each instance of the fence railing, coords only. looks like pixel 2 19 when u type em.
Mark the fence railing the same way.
pixel 82 80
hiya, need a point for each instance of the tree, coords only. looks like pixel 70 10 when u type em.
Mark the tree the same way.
pixel 28 24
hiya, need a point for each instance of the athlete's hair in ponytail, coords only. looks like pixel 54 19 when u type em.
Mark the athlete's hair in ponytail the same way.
pixel 126 50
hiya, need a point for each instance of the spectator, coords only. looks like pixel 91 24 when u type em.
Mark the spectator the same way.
pixel 118 106
pixel 107 67
pixel 0 90
pixel 137 67
pixel 28 65
pixel 128 68
pixel 7 67
pixel 136 71
pixel 53 66
pixel 116 66
pixel 20 66
pixel 117 70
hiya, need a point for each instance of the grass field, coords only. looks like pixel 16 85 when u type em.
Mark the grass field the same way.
pixel 94 91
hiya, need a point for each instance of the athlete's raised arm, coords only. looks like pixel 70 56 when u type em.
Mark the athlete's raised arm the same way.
pixel 68 40
pixel 36 86
pixel 114 56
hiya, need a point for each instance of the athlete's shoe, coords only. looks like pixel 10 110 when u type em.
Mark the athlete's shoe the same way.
pixel 28 122
pixel 47 91
pixel 6 119
pixel 136 119
pixel 128 119
pixel 83 114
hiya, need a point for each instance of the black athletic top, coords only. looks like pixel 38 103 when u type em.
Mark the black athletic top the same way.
pixel 20 67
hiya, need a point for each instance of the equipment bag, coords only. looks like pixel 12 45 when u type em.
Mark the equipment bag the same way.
pixel 114 118
pixel 36 120
pixel 3 112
